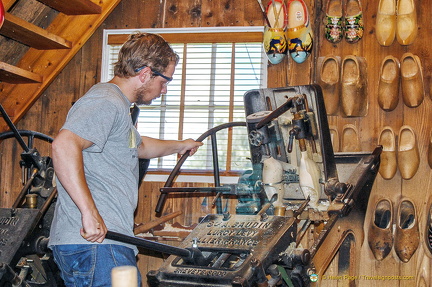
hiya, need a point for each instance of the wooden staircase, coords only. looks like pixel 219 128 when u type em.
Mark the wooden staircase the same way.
pixel 42 52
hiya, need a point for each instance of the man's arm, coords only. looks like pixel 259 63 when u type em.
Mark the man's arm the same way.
pixel 69 167
pixel 152 148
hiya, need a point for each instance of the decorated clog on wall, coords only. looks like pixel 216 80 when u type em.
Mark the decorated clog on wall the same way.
pixel 299 32
pixel 274 41
pixel 354 27
pixel 334 21
pixel 275 44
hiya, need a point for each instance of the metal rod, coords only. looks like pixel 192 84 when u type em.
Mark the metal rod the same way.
pixel 14 129
pixel 216 175
pixel 151 245
pixel 220 189
pixel 176 170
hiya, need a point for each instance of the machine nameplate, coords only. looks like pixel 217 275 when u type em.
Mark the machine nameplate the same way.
pixel 16 222
pixel 200 272
pixel 229 245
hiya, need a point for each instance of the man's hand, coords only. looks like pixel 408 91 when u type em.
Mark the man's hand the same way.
pixel 191 145
pixel 94 229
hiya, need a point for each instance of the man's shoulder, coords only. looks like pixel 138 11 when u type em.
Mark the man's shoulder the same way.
pixel 105 93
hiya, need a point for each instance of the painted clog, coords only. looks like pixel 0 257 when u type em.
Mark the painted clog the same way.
pixel 299 32
pixel 275 44
pixel 354 27
pixel 334 21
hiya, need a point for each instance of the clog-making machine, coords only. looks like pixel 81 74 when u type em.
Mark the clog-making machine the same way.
pixel 296 182
pixel 295 179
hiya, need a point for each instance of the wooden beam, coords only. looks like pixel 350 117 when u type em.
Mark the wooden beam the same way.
pixel 233 37
pixel 31 35
pixel 15 75
pixel 73 7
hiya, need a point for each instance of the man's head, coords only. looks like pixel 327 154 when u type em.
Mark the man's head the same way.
pixel 151 60
pixel 144 50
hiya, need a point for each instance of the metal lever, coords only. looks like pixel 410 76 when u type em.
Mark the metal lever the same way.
pixel 276 113
pixel 190 255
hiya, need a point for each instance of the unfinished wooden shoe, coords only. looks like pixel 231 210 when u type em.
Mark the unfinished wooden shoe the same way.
pixel 350 139
pixel 329 80
pixel 388 165
pixel 407 235
pixel 406 28
pixel 385 27
pixel 380 235
pixel 388 85
pixel 354 86
pixel 412 80
pixel 408 153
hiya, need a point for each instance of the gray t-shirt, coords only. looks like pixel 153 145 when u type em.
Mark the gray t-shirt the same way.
pixel 111 165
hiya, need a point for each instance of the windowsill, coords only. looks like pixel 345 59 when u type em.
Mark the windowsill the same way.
pixel 191 178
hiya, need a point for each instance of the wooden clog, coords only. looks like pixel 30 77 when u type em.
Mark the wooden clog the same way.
pixel 385 27
pixel 380 235
pixel 408 153
pixel 354 100
pixel 334 21
pixel 299 32
pixel 329 80
pixel 407 235
pixel 389 82
pixel 354 26
pixel 411 80
pixel 388 165
pixel 406 22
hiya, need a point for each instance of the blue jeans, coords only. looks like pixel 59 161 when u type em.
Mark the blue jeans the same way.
pixel 85 265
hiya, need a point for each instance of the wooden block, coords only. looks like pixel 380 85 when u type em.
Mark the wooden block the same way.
pixel 124 276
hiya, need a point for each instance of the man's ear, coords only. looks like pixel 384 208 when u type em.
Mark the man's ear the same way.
pixel 145 74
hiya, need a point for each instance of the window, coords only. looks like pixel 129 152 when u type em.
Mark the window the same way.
pixel 216 68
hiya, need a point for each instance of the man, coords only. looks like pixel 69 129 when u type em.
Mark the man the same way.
pixel 95 158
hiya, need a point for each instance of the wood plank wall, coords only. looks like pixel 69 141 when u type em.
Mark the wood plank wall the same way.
pixel 48 114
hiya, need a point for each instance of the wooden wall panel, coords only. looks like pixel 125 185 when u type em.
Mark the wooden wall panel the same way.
pixel 49 112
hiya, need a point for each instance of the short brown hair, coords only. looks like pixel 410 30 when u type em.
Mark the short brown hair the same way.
pixel 144 49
